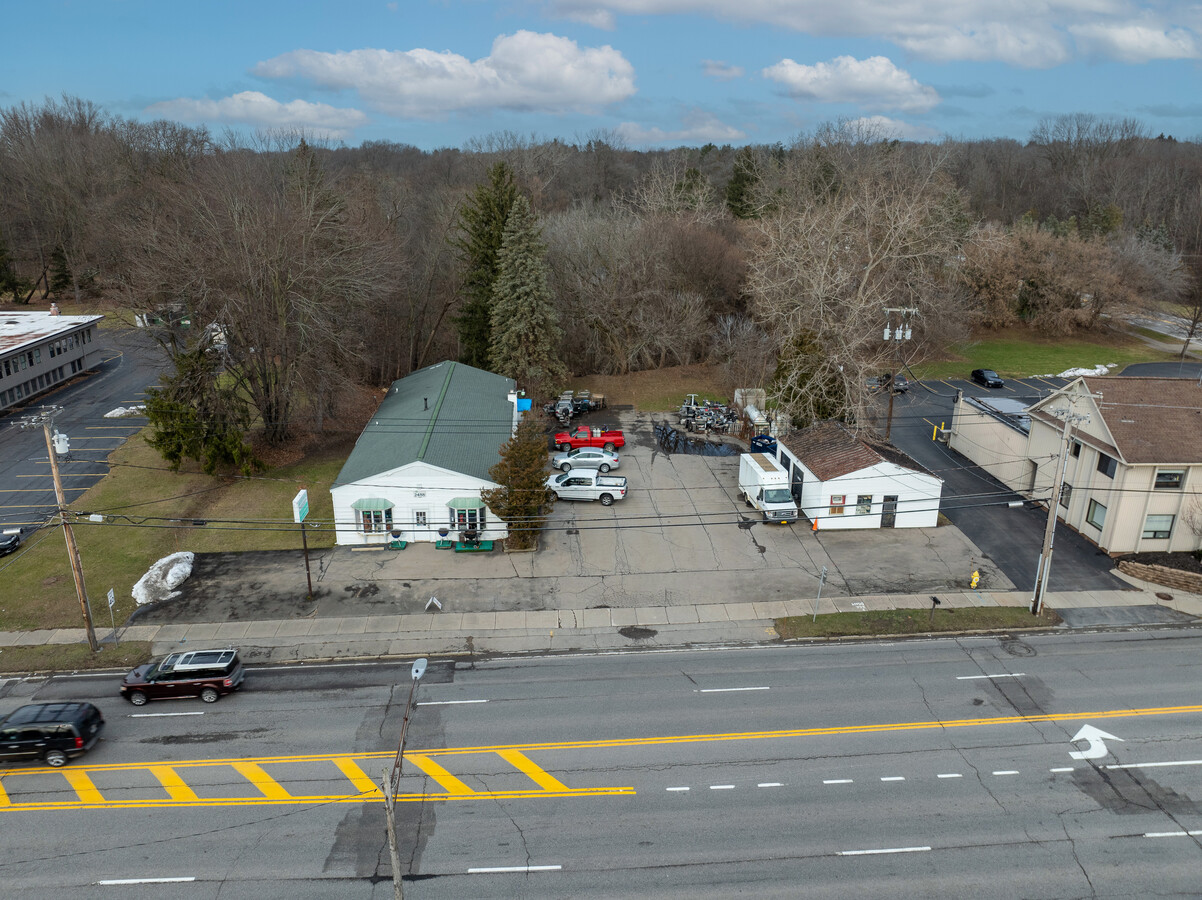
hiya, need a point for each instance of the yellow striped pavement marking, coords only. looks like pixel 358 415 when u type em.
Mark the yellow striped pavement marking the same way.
pixel 175 786
pixel 445 779
pixel 254 773
pixel 518 760
pixel 357 777
pixel 82 784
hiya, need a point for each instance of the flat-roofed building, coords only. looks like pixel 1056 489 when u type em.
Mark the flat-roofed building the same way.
pixel 41 349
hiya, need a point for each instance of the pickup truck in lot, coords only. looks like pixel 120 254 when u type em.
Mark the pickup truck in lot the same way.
pixel 589 437
pixel 579 484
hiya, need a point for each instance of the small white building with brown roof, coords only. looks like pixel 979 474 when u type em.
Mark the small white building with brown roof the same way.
pixel 1133 476
pixel 841 480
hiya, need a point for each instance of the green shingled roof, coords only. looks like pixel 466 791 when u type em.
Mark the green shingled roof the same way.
pixel 448 415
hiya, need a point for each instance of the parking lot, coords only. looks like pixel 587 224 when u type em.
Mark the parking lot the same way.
pixel 681 536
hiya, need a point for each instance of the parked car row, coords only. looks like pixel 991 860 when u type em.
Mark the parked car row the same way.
pixel 57 732
pixel 586 456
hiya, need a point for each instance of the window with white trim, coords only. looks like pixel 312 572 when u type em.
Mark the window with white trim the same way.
pixel 1107 465
pixel 1096 516
pixel 863 504
pixel 1066 494
pixel 376 520
pixel 837 501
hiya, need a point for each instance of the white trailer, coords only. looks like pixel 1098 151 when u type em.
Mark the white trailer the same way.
pixel 765 486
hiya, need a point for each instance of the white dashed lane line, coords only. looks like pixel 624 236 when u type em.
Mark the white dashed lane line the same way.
pixel 722 787
pixel 883 850
pixel 1160 834
pixel 838 781
pixel 950 775
pixel 1003 675
pixel 894 778
pixel 728 690
pixel 676 789
pixel 1006 772
pixel 770 784
pixel 491 870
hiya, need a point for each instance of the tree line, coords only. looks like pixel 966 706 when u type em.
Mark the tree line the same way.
pixel 304 269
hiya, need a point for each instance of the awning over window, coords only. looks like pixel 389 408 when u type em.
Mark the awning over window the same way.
pixel 466 503
pixel 372 503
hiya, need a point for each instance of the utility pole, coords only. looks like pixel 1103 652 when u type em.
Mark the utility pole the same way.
pixel 46 419
pixel 899 334
pixel 1044 568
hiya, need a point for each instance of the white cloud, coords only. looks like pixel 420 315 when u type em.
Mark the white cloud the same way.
pixel 875 83
pixel 700 127
pixel 894 128
pixel 254 108
pixel 1132 42
pixel 1026 33
pixel 721 71
pixel 524 71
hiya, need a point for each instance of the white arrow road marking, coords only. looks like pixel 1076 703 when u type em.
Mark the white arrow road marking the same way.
pixel 1096 739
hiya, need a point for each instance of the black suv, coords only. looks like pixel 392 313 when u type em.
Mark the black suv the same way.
pixel 207 674
pixel 54 732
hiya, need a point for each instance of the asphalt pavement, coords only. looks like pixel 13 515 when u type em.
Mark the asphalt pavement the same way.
pixel 1047 766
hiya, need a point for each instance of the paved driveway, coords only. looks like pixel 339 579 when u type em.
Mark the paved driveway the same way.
pixel 681 537
pixel 976 502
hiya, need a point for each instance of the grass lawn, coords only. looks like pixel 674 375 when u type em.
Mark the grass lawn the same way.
pixel 1017 354
pixel 912 621
pixel 138 493
pixel 656 390
pixel 23 660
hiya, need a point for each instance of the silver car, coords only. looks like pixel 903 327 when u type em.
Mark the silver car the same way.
pixel 585 458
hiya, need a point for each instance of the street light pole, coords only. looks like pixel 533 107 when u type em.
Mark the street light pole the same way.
pixel 391 783
pixel 46 419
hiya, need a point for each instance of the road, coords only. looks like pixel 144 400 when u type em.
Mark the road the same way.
pixel 911 769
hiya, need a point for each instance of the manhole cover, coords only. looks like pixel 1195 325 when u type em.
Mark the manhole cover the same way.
pixel 637 633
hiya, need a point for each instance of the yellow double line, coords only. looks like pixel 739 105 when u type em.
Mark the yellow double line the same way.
pixel 252 769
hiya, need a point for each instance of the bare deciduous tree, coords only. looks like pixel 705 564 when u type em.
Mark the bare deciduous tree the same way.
pixel 852 226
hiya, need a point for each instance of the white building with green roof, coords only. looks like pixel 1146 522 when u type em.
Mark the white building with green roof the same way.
pixel 419 466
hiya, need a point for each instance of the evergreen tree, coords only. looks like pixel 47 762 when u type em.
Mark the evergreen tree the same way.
pixel 741 189
pixel 60 272
pixel 522 499
pixel 481 230
pixel 525 324
pixel 195 416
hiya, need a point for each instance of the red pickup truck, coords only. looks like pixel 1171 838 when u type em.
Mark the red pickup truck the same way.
pixel 589 437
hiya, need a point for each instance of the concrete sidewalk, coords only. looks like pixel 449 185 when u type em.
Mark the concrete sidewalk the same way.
pixel 449 632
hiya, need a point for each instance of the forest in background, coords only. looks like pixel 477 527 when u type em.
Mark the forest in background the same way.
pixel 315 269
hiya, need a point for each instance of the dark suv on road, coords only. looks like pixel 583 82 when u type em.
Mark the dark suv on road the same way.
pixel 207 674
pixel 54 732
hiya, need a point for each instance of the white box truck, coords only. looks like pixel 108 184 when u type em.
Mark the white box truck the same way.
pixel 765 486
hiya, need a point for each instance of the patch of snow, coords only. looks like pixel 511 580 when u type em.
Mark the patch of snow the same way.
pixel 162 579
pixel 1100 369
pixel 124 412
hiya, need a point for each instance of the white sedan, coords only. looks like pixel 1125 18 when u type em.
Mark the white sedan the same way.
pixel 585 458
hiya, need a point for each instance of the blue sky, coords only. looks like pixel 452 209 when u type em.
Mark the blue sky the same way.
pixel 656 73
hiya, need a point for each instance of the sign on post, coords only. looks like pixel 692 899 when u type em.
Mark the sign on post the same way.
pixel 112 595
pixel 300 506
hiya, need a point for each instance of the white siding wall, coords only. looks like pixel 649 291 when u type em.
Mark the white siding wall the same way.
pixel 917 496
pixel 994 446
pixel 417 487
